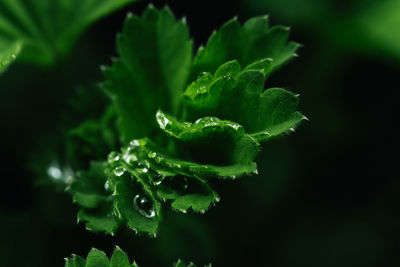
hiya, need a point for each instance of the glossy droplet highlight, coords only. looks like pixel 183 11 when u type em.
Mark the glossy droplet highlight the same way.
pixel 202 90
pixel 144 206
pixel 202 73
pixel 152 155
pixel 113 157
pixel 107 186
pixel 135 143
pixel 162 120
pixel 129 158
pixel 54 172
pixel 118 171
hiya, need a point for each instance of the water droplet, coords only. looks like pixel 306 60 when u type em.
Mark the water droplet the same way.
pixel 202 90
pixel 118 171
pixel 107 186
pixel 144 206
pixel 129 158
pixel 162 120
pixel 234 126
pixel 13 56
pixel 152 155
pixel 207 121
pixel 227 78
pixel 292 130
pixel 202 73
pixel 144 170
pixel 113 157
pixel 54 172
pixel 135 143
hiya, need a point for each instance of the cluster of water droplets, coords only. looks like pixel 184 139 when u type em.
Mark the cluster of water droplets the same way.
pixel 207 121
pixel 130 156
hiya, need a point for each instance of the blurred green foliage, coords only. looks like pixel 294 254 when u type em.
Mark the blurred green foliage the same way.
pixel 47 29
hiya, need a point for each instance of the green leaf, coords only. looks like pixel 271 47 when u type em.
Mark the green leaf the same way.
pixel 91 191
pixel 92 140
pixel 75 261
pixel 155 56
pixel 8 53
pixel 49 28
pixel 119 258
pixel 97 258
pixel 136 204
pixel 227 140
pixel 88 187
pixel 186 193
pixel 99 220
pixel 253 41
pixel 235 95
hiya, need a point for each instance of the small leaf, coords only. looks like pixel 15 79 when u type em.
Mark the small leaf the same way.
pixel 88 187
pixel 254 40
pixel 136 205
pixel 187 193
pixel 263 114
pixel 155 56
pixel 97 258
pixel 119 258
pixel 99 220
pixel 91 191
pixel 75 261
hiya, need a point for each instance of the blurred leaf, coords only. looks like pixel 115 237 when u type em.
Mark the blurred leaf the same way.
pixel 92 139
pixel 380 22
pixel 8 53
pixel 47 28
pixel 155 56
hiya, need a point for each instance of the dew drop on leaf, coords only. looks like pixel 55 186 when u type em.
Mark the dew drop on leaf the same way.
pixel 135 143
pixel 107 186
pixel 144 206
pixel 202 73
pixel 152 155
pixel 129 158
pixel 202 90
pixel 118 171
pixel 113 157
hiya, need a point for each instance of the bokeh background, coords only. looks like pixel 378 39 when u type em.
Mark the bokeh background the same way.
pixel 327 195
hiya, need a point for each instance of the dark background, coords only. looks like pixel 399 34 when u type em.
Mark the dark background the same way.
pixel 327 195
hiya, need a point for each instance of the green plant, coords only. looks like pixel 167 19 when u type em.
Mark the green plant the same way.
pixel 175 122
pixel 215 128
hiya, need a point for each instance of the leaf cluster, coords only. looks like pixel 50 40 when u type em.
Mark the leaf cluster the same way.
pixel 97 258
pixel 182 119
